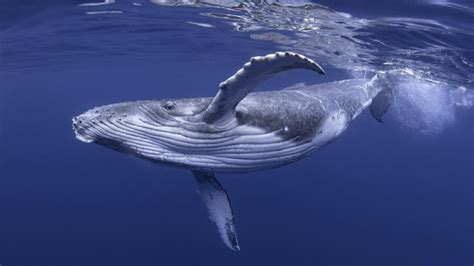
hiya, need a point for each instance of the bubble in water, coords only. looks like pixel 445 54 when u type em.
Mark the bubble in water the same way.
pixel 462 97
pixel 422 105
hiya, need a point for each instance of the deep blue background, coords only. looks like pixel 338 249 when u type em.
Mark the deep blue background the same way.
pixel 377 196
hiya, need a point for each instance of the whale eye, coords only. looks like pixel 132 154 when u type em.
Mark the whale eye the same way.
pixel 169 105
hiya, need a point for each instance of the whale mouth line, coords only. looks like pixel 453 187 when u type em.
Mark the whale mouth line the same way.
pixel 83 138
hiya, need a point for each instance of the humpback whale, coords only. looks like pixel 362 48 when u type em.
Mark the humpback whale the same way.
pixel 238 130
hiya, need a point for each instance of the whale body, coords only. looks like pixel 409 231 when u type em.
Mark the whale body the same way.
pixel 237 130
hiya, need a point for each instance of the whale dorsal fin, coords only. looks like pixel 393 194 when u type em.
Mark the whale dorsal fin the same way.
pixel 257 70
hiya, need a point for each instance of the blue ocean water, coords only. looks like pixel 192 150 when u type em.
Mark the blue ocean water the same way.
pixel 397 193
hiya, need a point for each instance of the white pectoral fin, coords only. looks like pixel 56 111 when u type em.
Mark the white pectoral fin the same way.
pixel 219 207
pixel 380 104
pixel 260 68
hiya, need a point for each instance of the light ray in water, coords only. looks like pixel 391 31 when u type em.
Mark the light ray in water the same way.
pixel 450 4
pixel 106 2
pixel 104 12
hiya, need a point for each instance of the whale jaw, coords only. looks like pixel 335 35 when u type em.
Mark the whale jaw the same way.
pixel 79 130
pixel 83 138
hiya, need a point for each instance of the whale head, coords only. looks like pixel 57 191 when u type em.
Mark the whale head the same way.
pixel 160 130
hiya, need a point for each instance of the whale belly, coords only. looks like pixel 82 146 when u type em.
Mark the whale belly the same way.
pixel 266 150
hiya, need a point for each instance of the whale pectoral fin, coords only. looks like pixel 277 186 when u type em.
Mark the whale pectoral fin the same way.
pixel 381 103
pixel 260 68
pixel 218 205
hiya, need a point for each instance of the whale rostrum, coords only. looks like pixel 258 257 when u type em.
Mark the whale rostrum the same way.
pixel 238 130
